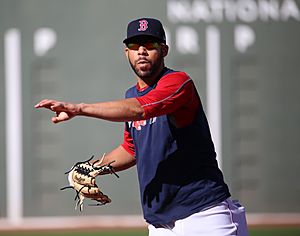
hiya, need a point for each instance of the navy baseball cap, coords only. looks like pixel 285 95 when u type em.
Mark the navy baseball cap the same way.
pixel 144 27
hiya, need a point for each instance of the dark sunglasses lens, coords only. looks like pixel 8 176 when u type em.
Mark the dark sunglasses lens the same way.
pixel 152 45
pixel 133 46
pixel 148 46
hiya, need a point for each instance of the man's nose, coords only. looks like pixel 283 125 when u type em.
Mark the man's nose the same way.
pixel 142 49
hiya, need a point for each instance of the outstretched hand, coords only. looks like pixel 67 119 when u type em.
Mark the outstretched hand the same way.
pixel 64 111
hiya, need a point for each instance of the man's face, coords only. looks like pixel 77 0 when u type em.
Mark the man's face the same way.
pixel 146 57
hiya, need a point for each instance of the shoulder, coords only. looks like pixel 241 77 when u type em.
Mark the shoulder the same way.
pixel 130 92
pixel 175 77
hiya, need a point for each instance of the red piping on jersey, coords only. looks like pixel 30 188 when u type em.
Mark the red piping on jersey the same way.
pixel 162 100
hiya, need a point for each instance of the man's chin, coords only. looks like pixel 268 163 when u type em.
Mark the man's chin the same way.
pixel 144 68
pixel 143 73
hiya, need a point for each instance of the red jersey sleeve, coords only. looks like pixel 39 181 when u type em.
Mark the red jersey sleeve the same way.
pixel 172 92
pixel 128 142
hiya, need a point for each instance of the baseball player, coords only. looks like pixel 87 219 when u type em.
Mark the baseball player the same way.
pixel 167 137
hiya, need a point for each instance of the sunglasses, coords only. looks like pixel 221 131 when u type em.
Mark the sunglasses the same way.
pixel 148 46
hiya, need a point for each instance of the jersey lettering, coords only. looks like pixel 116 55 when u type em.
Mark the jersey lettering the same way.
pixel 139 123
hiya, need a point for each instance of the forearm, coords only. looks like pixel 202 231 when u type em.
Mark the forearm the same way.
pixel 119 158
pixel 122 110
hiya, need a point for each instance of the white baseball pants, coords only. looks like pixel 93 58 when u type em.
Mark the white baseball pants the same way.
pixel 223 219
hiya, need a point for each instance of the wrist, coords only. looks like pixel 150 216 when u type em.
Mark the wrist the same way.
pixel 81 108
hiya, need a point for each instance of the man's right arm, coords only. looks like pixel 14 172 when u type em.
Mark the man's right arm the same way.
pixel 121 110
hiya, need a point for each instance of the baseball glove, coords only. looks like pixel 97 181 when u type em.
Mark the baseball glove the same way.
pixel 82 178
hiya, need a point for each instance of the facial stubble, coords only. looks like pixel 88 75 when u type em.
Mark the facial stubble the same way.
pixel 152 71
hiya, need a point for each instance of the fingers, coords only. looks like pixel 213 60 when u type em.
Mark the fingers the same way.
pixel 52 105
pixel 61 109
pixel 57 106
pixel 46 103
pixel 64 111
pixel 60 116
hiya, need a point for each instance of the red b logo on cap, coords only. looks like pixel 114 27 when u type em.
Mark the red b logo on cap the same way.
pixel 143 25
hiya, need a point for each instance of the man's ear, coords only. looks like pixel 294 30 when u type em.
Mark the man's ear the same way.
pixel 165 50
pixel 126 51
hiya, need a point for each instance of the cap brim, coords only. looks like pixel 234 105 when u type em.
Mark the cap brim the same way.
pixel 143 36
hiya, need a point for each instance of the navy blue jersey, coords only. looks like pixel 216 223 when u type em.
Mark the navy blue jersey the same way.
pixel 176 161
